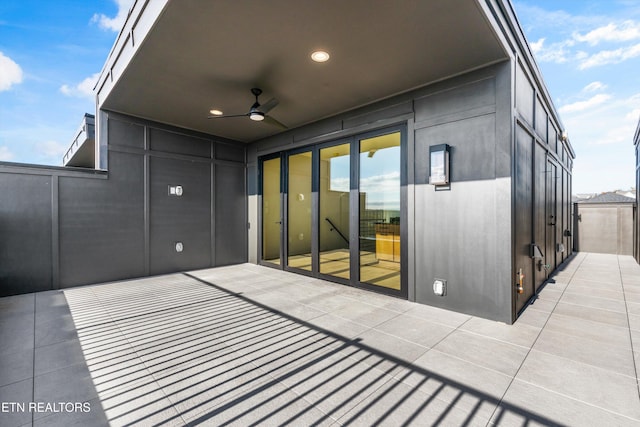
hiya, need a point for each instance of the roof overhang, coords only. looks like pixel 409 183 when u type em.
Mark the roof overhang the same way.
pixel 82 151
pixel 176 60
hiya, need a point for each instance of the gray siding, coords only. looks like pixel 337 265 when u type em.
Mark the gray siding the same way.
pixel 461 234
pixel 62 227
pixel 542 182
pixel 25 233
pixel 102 224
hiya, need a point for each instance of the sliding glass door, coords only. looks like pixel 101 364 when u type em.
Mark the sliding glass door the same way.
pixel 334 218
pixel 342 215
pixel 379 213
pixel 271 211
pixel 298 220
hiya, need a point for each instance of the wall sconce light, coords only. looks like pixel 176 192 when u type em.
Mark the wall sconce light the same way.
pixel 439 164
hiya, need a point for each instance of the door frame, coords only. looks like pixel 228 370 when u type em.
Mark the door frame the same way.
pixel 261 161
pixel 354 209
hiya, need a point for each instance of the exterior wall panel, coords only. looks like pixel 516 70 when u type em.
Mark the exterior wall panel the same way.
pixel 63 228
pixel 230 215
pixel 185 219
pixel 173 142
pixel 102 224
pixel 25 233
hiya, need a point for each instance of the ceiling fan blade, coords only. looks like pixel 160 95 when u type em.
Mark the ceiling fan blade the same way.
pixel 226 117
pixel 270 120
pixel 268 106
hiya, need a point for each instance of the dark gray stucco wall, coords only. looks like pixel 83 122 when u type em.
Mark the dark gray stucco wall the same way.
pixel 62 227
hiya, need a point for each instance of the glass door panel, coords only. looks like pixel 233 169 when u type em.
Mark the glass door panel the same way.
pixel 271 215
pixel 379 216
pixel 299 211
pixel 335 167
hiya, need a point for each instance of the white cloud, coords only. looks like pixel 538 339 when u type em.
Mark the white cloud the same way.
pixel 537 46
pixel 52 149
pixel 5 154
pixel 576 37
pixel 594 87
pixel 10 73
pixel 633 115
pixel 556 52
pixel 84 89
pixel 625 31
pixel 584 105
pixel 114 23
pixel 604 123
pixel 605 57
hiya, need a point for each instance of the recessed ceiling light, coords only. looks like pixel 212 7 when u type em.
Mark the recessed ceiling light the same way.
pixel 320 56
pixel 216 112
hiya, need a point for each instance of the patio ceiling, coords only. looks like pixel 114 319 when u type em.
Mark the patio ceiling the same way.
pixel 201 55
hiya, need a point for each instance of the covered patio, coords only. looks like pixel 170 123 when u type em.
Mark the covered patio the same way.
pixel 246 344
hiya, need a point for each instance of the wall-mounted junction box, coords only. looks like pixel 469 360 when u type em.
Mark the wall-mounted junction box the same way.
pixel 175 190
pixel 440 287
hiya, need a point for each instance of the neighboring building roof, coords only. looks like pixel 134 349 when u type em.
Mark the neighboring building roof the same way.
pixel 608 198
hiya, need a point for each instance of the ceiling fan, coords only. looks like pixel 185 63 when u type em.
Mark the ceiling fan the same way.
pixel 257 112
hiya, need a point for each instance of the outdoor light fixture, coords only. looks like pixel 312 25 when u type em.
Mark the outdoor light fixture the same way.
pixel 320 56
pixel 216 112
pixel 439 164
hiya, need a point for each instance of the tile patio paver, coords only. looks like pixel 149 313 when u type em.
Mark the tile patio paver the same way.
pixel 247 344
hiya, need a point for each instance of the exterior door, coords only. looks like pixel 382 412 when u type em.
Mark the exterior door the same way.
pixel 271 250
pixel 523 263
pixel 552 214
pixel 298 218
pixel 379 212
pixel 335 211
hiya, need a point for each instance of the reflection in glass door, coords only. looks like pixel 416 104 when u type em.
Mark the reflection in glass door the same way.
pixel 334 211
pixel 299 211
pixel 379 216
pixel 271 216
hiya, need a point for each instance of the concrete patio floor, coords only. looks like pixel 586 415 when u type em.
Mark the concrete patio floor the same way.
pixel 246 345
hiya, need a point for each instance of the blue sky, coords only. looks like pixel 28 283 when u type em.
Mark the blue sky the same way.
pixel 50 52
pixel 588 52
pixel 589 55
